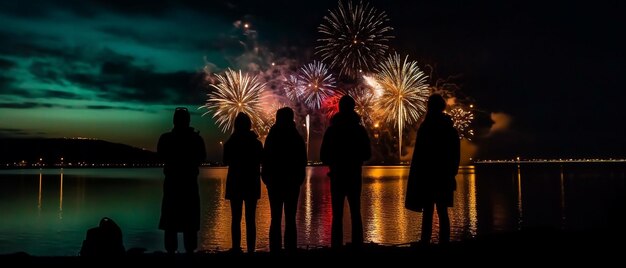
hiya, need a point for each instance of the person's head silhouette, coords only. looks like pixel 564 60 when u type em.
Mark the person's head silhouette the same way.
pixel 181 117
pixel 284 116
pixel 242 122
pixel 346 104
pixel 436 103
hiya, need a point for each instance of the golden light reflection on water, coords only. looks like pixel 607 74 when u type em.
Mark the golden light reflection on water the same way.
pixel 473 210
pixel 385 220
pixel 464 214
pixel 32 219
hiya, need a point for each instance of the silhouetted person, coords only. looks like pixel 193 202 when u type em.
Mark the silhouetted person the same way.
pixel 284 169
pixel 182 150
pixel 242 155
pixel 435 164
pixel 344 149
pixel 104 240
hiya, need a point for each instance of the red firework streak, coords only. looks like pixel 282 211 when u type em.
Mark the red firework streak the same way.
pixel 330 105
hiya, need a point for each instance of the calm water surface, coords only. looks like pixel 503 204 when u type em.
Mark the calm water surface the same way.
pixel 47 212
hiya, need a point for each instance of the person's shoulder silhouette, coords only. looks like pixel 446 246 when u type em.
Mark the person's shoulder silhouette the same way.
pixel 243 145
pixel 242 153
pixel 284 154
pixel 182 147
pixel 345 140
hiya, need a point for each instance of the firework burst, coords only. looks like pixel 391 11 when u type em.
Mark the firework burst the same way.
pixel 293 88
pixel 355 38
pixel 317 84
pixel 404 92
pixel 462 119
pixel 235 92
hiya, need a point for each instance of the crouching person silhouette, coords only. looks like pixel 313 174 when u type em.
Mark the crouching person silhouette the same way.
pixel 104 240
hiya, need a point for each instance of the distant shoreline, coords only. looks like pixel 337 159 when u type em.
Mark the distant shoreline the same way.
pixel 406 164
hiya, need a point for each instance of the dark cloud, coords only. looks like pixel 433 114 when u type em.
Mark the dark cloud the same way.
pixel 110 107
pixel 25 105
pixel 124 81
pixel 38 93
pixel 45 71
pixel 48 47
pixel 167 41
pixel 60 94
pixel 5 82
pixel 6 64
pixel 24 9
pixel 19 44
pixel 16 92
pixel 111 75
pixel 12 132
pixel 20 133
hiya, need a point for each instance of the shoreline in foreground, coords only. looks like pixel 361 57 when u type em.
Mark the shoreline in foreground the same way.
pixel 527 246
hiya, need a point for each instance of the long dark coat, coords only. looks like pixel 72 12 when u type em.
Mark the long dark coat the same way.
pixel 284 158
pixel 435 164
pixel 242 155
pixel 182 151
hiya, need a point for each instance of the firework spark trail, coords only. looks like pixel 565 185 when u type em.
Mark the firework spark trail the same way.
pixel 330 106
pixel 373 84
pixel 318 84
pixel 355 38
pixel 462 119
pixel 235 92
pixel 405 93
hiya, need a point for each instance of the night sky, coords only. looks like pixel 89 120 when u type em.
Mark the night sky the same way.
pixel 547 78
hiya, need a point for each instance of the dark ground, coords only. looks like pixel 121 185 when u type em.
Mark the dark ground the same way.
pixel 537 247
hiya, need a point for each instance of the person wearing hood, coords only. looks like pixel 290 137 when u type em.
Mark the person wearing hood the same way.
pixel 284 168
pixel 433 169
pixel 182 151
pixel 345 147
pixel 242 155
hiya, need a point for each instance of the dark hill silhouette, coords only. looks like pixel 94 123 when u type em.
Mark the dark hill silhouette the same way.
pixel 91 151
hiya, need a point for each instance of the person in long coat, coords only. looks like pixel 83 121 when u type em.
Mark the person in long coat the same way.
pixel 433 169
pixel 345 147
pixel 182 151
pixel 242 155
pixel 284 170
